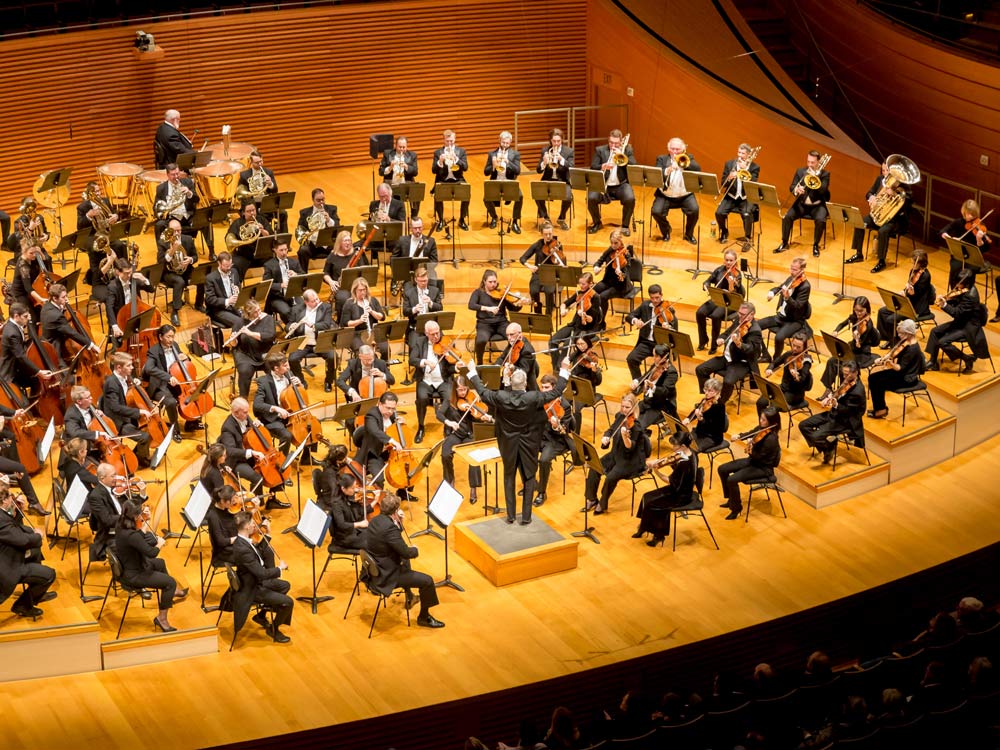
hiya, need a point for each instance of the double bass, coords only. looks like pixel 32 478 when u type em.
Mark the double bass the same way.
pixel 139 343
pixel 89 369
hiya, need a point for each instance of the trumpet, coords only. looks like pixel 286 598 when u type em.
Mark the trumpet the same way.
pixel 500 161
pixel 618 156
pixel 398 169
pixel 450 158
pixel 552 158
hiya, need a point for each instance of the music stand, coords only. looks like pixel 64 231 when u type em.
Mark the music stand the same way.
pixel 401 270
pixel 679 343
pixel 899 304
pixel 348 412
pixel 325 236
pixel 298 283
pixel 549 190
pixel 199 273
pixel 451 192
pixel 848 216
pixel 707 184
pixel 126 228
pixel 385 232
pixel 499 191
pixel 153 274
pixel 391 330
pixel 295 457
pixel 311 530
pixel 71 241
pixel 201 388
pixel 349 275
pixel 411 194
pixel 137 323
pixel 442 508
pixel 51 182
pixel 274 203
pixel 160 456
pixel 70 509
pixel 70 280
pixel 532 322
pixel 731 301
pixel 490 375
pixel 587 452
pixel 345 338
pixel 256 291
pixel 763 195
pixel 193 159
pixel 970 256
pixel 424 465
pixel 642 176
pixel 444 318
pixel 589 181
pixel 263 248
pixel 839 350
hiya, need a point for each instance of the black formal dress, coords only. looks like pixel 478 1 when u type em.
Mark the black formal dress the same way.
pixel 620 462
pixel 911 367
pixel 968 317
pixel 653 511
pixel 221 533
pixel 345 511
pixel 861 347
pixel 921 295
pixel 564 337
pixel 846 416
pixel 490 326
pixel 793 387
pixel 535 254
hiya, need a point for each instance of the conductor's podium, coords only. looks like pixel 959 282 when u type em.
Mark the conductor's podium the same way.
pixel 508 553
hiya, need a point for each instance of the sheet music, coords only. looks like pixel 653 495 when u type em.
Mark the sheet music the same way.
pixel 197 506
pixel 161 451
pixel 46 445
pixel 445 504
pixel 481 455
pixel 74 501
pixel 313 524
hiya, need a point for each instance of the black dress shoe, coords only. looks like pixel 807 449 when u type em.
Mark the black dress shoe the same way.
pixel 590 506
pixel 654 541
pixel 666 237
pixel 689 238
pixel 515 228
pixel 872 414
pixel 733 515
pixel 177 434
pixel 493 223
pixel 48 597
pixel 815 251
pixel 261 619
pixel 702 347
pixel 723 237
pixel 626 232
pixel 525 522
pixel 539 500
pixel 828 455
pixel 995 318
pixel 157 625
pixel 712 352
pixel 273 503
pixel 327 387
pixel 508 519
pixel 419 437
pixel 856 258
pixel 175 319
pixel 932 365
pixel 439 227
pixel 563 225
pixel 885 346
pixel 277 635
pixel 27 611
pixel 201 309
pixel 464 225
pixel 38 510
pixel 780 249
pixel 880 266
pixel 595 228
pixel 429 621
pixel 599 510
pixel 969 361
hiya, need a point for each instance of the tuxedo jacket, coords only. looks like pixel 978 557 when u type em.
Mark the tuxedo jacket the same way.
pixel 520 418
pixel 265 398
pixel 513 165
pixel 231 436
pixel 820 194
pixel 215 290
pixel 409 165
pixel 113 403
pixel 272 270
pixel 155 370
pixel 442 173
pixel 750 349
pixel 189 203
pixel 245 179
pixel 373 437
pixel 56 329
pixel 134 549
pixel 797 307
pixel 115 300
pixel 350 376
pixel 17 539
pixel 324 316
pixel 397 211
pixel 428 251
pixel 253 574
pixel 187 242
pixel 104 517
pixel 419 351
pixel 15 367
pixel 168 143
pixel 525 361
pixel 82 220
pixel 733 164
pixel 306 212
pixel 391 553
pixel 603 153
pixel 411 299
pixel 665 160
pixel 560 173
pixel 75 424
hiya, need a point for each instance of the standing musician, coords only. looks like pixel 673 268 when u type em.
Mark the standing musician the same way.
pixel 433 371
pixel 309 317
pixel 630 448
pixel 491 305
pixel 253 338
pixel 458 413
pixel 450 164
pixel 105 510
pixel 385 207
pixel 793 305
pixel 366 366
pixel 588 317
pixel 969 228
pixel 519 354
pixel 707 421
pixel 614 264
pixel 548 249
pixel 518 416
pixel 164 387
pixel 21 559
pixel 763 457
pixel 968 316
pixel 895 226
pixel 416 244
pixel 399 165
pixel 554 165
pixel 863 337
pixel 586 365
pixel 176 199
pixel 920 291
pixel 222 531
pixel 678 487
pixel 56 327
pixel 613 161
pixel 846 410
pixel 242 236
pixel 419 298
pixel 267 406
pixel 120 293
pixel 659 388
pixel 260 581
pixel 504 163
pixel 741 348
pixel 138 551
pixel 556 438
pixel 170 142
pixel 176 252
pixel 652 313
pixel 314 217
pixel 728 278
pixel 362 312
pixel 796 372
pixel 674 194
pixel 114 401
pixel 279 270
pixel 15 366
pixel 735 199
pixel 904 364
pixel 222 289
pixel 241 459
pixel 809 202
pixel 348 514
pixel 340 257
pixel 393 555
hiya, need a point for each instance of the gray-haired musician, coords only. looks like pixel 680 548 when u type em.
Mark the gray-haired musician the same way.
pixel 450 165
pixel 735 199
pixel 170 142
pixel 399 165
pixel 674 194
pixel 504 163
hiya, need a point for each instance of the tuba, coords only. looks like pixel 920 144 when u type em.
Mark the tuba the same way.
pixel 618 157
pixel 890 198
pixel 101 222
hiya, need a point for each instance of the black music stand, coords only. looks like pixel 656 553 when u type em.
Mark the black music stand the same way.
pixel 899 304
pixel 298 283
pixel 127 228
pixel 193 159
pixel 160 456
pixel 851 217
pixel 587 452
pixel 386 232
pixel 199 273
pixel 347 414
pixel 489 375
pixel 839 350
pixel 349 275
pixel 390 331
pixel 274 202
pixel 51 182
pixel 442 508
pixel 707 184
pixel 72 241
pixel 311 530
pixel 401 270
pixel 763 195
pixel 679 343
pixel 70 280
pixel 424 465
pixel 532 322
pixel 642 176
pixel 345 338
pixel 549 190
pixel 153 274
pixel 499 191
pixel 197 393
pixel 970 256
pixel 255 291
pixel 444 318
pixel 136 323
pixel 723 298
pixel 411 194
pixel 204 219
pixel 451 192
pixel 295 457
pixel 589 181
pixel 263 248
pixel 325 236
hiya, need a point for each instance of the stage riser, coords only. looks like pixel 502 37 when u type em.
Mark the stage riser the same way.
pixel 502 569
pixel 910 456
pixel 822 496
pixel 29 654
pixel 975 419
pixel 151 649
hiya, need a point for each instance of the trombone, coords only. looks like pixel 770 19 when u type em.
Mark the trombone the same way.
pixel 742 173
pixel 618 157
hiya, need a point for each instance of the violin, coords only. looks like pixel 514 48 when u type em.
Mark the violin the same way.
pixel 445 349
pixel 663 314
pixel 859 328
pixel 511 298
pixel 555 412
pixel 668 460
pixel 698 412
pixel 591 360
pixel 754 436
pixel 619 261
pixel 793 283
pixel 830 398
pixel 153 424
pixel 369 497
pixel 742 329
pixel 472 404
pixel 130 486
pixel 889 358
pixel 915 275
pixel 794 362
pixel 654 373
pixel 977 227
pixel 731 278
pixel 584 301
pixel 554 252
pixel 257 438
pixel 302 423
pixel 510 360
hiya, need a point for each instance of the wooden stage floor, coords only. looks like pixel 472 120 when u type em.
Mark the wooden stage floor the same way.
pixel 622 601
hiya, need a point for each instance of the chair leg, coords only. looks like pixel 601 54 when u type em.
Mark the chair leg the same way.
pixel 357 583
pixel 375 616
pixel 105 602
pixel 705 519
pixel 121 623
pixel 931 400
pixel 673 529
pixel 780 501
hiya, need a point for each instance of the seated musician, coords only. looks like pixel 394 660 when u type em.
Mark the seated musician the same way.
pixel 164 386
pixel 416 244
pixel 176 252
pixel 449 167
pixel 340 257
pixel 399 165
pixel 968 317
pixel 267 406
pixel 648 316
pixel 616 181
pixel 741 348
pixel 385 207
pixel 214 468
pixel 101 270
pixel 553 165
pixel 629 449
pixel 586 365
pixel 491 306
pixel 74 463
pixel 433 372
pixel 458 413
pixel 114 401
pixel 969 228
pixel 253 338
pixel 222 525
pixel 863 337
pixel 904 365
pixel 895 225
pixel 809 202
pixel 556 438
pixel 21 559
pixel 105 510
pixel 94 211
pixel 325 482
pixel 365 367
pixel 504 163
pixel 726 277
pixel 846 409
pixel 120 292
pixel 314 217
pixel 763 457
pixel 258 181
pixel 793 306
pixel 735 199
pixel 79 415
pixel 279 270
pixel 659 386
pixel 677 490
pixel 614 263
pixel 138 551
pixel 242 459
pixel 419 298
pixel 707 421
pixel 242 236
pixel 547 250
pixel 920 292
pixel 29 227
pixel 260 582
pixel 674 193
pixel 378 434
pixel 362 312
pixel 222 289
pixel 796 372
pixel 10 463
pixel 309 317
pixel 348 514
pixel 588 317
pixel 519 354
pixel 176 199
pixel 15 366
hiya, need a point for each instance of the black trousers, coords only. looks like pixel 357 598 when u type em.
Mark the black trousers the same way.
pixel 782 328
pixel 448 461
pixel 38 577
pixel 734 473
pixel 710 311
pixel 943 338
pixel 226 318
pixel 279 306
pixel 178 283
pixel 885 233
pixel 564 206
pixel 623 193
pixel 613 474
pixel 688 205
pixel 9 467
pixel 424 584
pixel 817 212
pixel 246 368
pixel 536 290
pixel 165 395
pixel 156 577
pixel 487 331
pixel 330 357
pixel 817 428
pixel 551 450
pixel 140 439
pixel 491 208
pixel 642 350
pixel 245 471
pixel 731 205
pixel 524 462
pixel 425 393
pixel 881 382
pixel 274 595
pixel 732 373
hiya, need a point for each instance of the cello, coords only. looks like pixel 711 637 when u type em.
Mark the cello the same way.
pixel 258 438
pixel 183 371
pixel 89 369
pixel 400 470
pixel 113 450
pixel 139 343
pixel 53 392
pixel 301 422
pixel 153 424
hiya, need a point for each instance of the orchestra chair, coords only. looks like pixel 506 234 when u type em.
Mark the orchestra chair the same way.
pixel 915 391
pixel 695 505
pixel 234 585
pixel 845 437
pixel 831 229
pixel 634 271
pixel 899 229
pixel 964 347
pixel 96 306
pixel 116 580
pixel 206 577
pixel 582 391
pixel 767 484
pixel 715 450
pixel 370 576
pixel 776 398
pixel 647 474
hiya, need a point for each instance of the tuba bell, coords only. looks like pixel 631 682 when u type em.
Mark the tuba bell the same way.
pixel 890 198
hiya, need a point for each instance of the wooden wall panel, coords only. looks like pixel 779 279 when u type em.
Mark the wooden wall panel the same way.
pixel 306 86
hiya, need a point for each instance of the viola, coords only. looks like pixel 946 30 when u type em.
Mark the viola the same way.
pixel 654 373
pixel 113 450
pixel 130 486
pixel 591 360
pixel 257 438
pixel 153 424
pixel 554 252
pixel 663 314
pixel 303 424
pixel 830 398
pixel 400 470
pixel 755 436
pixel 731 278
pixel 977 226
pixel 511 360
